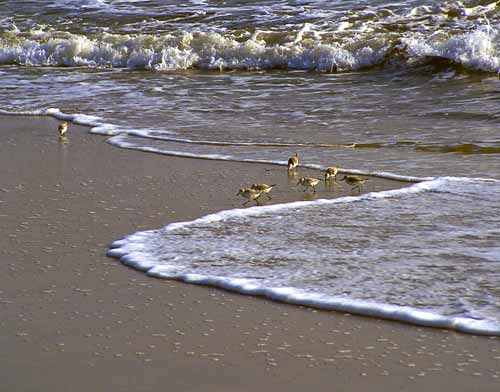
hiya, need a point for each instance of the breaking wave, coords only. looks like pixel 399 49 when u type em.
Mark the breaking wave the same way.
pixel 305 49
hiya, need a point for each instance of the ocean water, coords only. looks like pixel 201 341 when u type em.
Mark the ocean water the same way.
pixel 404 90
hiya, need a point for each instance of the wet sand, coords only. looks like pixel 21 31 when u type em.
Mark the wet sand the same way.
pixel 74 319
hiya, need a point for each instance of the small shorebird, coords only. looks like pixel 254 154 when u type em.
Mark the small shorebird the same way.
pixel 263 188
pixel 63 128
pixel 308 182
pixel 293 162
pixel 331 172
pixel 354 181
pixel 250 194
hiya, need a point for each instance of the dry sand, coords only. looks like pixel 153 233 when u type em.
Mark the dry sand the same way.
pixel 73 319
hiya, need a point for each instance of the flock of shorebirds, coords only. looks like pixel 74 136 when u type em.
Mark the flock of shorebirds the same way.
pixel 330 173
pixel 258 190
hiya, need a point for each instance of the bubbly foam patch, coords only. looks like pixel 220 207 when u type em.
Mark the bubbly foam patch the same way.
pixel 478 50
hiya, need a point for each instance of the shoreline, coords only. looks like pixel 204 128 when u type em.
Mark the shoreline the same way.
pixel 110 130
pixel 76 317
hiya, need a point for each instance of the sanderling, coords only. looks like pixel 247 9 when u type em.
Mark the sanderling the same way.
pixel 308 182
pixel 354 181
pixel 331 172
pixel 293 162
pixel 250 194
pixel 63 128
pixel 263 188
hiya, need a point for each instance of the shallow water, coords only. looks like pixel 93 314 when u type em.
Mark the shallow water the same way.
pixel 414 247
pixel 408 90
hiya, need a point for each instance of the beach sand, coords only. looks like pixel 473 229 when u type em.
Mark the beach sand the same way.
pixel 76 320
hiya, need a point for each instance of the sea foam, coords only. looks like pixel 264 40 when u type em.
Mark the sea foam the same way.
pixel 305 49
pixel 169 261
pixel 118 137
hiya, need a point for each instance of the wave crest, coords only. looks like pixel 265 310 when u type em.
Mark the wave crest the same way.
pixel 303 50
pixel 476 50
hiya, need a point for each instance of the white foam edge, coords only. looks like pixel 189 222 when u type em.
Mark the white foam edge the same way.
pixel 243 213
pixel 290 295
pixel 120 141
pixel 131 251
pixel 293 296
pixel 96 124
pixel 117 134
pixel 117 137
pixel 249 144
